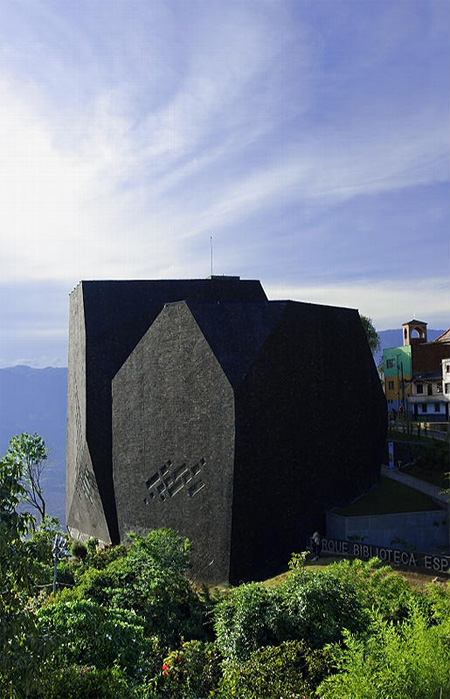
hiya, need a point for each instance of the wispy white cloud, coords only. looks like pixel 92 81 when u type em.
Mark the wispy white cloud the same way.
pixel 389 301
pixel 130 131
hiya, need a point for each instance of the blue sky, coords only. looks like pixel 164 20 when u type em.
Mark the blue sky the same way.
pixel 308 137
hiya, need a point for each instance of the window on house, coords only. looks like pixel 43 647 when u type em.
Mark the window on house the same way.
pixel 430 389
pixel 447 388
pixel 419 388
pixel 391 385
pixel 438 388
pixel 437 407
pixel 447 368
pixel 390 363
pixel 424 408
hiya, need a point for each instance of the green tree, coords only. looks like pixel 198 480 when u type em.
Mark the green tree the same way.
pixel 83 633
pixel 19 656
pixel 372 336
pixel 29 453
pixel 150 579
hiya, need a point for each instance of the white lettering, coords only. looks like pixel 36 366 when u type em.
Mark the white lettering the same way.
pixel 445 564
pixel 360 550
pixel 436 564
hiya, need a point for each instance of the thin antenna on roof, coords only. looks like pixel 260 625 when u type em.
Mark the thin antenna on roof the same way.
pixel 211 245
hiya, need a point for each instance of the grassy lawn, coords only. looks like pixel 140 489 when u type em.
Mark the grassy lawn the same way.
pixel 389 497
pixel 418 579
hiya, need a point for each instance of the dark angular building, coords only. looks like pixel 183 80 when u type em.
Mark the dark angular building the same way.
pixel 107 320
pixel 204 407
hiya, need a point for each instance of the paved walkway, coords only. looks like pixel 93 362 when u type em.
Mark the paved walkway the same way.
pixel 432 490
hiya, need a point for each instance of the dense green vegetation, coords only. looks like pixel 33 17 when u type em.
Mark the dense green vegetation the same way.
pixel 126 622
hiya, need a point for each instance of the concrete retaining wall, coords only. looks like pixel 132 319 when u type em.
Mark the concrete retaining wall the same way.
pixel 426 531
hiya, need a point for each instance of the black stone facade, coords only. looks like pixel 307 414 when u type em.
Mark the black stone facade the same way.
pixel 234 420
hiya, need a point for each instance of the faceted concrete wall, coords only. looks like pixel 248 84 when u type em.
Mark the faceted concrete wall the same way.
pixel 173 440
pixel 85 511
pixel 108 318
pixel 310 429
pixel 240 424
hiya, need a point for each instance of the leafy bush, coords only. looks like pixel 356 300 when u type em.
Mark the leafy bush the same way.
pixel 244 621
pixel 317 607
pixel 311 607
pixel 393 661
pixel 434 456
pixel 376 586
pixel 288 670
pixel 100 558
pixel 193 672
pixel 41 541
pixel 439 598
pixel 151 580
pixel 82 632
pixel 86 682
pixel 79 550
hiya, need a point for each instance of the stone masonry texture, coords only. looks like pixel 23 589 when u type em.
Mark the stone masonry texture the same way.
pixel 202 406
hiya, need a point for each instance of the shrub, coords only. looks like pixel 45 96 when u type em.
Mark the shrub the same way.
pixel 193 672
pixel 42 539
pixel 244 621
pixel 317 607
pixel 100 558
pixel 376 586
pixel 79 550
pixel 151 580
pixel 288 670
pixel 84 633
pixel 393 661
pixel 439 597
pixel 85 681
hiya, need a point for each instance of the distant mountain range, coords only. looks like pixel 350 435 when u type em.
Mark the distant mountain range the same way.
pixel 35 400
